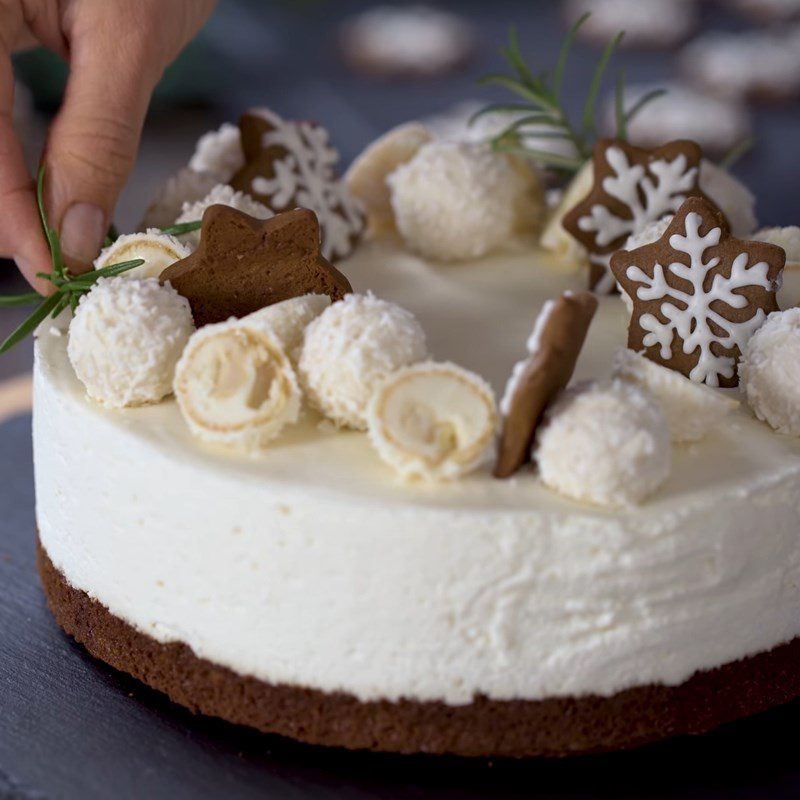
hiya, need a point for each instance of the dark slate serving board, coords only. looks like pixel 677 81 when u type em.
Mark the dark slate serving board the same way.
pixel 70 727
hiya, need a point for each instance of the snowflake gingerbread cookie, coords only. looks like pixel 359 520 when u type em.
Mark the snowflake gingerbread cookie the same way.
pixel 632 188
pixel 292 165
pixel 698 294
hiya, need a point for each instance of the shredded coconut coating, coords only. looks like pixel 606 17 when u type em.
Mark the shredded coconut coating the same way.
pixel 185 186
pixel 221 195
pixel 788 238
pixel 219 153
pixel 605 443
pixel 456 201
pixel 692 409
pixel 158 250
pixel 126 338
pixel 769 372
pixel 350 349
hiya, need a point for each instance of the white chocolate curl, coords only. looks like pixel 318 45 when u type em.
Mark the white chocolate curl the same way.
pixel 433 421
pixel 158 250
pixel 289 319
pixel 236 386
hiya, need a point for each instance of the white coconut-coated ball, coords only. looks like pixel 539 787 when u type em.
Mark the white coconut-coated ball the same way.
pixel 769 373
pixel 126 338
pixel 350 349
pixel 606 443
pixel 219 152
pixel 220 195
pixel 457 201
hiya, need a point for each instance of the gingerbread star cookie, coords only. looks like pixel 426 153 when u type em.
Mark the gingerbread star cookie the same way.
pixel 632 188
pixel 698 294
pixel 292 165
pixel 553 350
pixel 244 264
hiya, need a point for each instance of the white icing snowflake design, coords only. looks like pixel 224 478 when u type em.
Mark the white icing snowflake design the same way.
pixel 693 315
pixel 648 192
pixel 305 177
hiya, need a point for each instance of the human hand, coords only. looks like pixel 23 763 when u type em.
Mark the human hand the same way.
pixel 117 51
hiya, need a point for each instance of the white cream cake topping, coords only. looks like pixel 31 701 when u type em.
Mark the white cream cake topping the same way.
pixel 314 566
pixel 433 421
pixel 126 338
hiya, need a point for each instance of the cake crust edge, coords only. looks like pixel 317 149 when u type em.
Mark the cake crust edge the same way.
pixel 552 727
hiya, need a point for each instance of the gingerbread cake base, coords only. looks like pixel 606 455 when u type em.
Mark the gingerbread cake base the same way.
pixel 515 728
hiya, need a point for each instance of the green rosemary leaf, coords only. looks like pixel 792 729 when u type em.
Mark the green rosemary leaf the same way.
pixel 62 304
pixel 619 107
pixel 535 97
pixel 183 227
pixel 737 151
pixel 543 156
pixel 589 126
pixel 514 57
pixel 27 299
pixel 31 323
pixel 642 102
pixel 555 134
pixel 499 108
pixel 544 120
pixel 111 236
pixel 106 272
pixel 563 56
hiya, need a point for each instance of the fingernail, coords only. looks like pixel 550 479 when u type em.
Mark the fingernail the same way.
pixel 83 228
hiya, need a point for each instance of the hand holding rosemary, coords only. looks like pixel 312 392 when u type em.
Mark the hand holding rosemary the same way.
pixel 69 288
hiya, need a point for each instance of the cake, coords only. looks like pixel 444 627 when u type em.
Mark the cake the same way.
pixel 452 506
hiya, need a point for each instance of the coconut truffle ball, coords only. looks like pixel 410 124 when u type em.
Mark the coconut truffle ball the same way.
pixel 459 200
pixel 606 443
pixel 220 195
pixel 769 372
pixel 219 152
pixel 126 338
pixel 350 349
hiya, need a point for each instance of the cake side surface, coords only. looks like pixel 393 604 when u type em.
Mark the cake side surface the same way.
pixel 313 567
pixel 483 727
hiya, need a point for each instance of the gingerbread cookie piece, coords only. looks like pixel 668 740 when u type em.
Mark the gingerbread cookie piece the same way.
pixel 244 264
pixel 553 347
pixel 292 165
pixel 698 294
pixel 632 188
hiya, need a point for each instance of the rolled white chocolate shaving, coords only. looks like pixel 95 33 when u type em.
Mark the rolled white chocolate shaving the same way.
pixel 433 421
pixel 289 319
pixel 236 386
pixel 366 177
pixel 158 250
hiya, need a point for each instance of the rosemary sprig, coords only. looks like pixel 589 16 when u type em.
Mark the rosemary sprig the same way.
pixel 542 107
pixel 737 151
pixel 183 227
pixel 68 287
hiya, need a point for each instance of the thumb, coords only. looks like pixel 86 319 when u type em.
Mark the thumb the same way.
pixel 93 141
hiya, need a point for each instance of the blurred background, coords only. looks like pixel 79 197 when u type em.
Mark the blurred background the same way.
pixel 732 68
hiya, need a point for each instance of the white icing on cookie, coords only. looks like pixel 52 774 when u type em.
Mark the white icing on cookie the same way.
pixel 305 177
pixel 691 316
pixel 648 192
